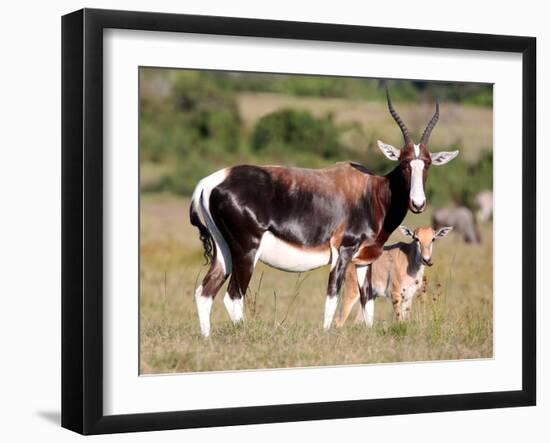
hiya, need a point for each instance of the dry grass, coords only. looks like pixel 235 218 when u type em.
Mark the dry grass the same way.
pixel 283 327
pixel 469 127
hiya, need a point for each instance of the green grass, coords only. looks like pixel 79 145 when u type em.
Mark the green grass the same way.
pixel 284 311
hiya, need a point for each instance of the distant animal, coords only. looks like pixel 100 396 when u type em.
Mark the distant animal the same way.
pixel 461 218
pixel 297 219
pixel 484 202
pixel 397 274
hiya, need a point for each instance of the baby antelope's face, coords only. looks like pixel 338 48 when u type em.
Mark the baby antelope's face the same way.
pixel 424 238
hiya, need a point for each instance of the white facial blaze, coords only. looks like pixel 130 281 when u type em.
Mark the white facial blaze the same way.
pixel 417 184
pixel 425 256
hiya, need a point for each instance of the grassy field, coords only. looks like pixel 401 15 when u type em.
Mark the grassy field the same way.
pixel 284 311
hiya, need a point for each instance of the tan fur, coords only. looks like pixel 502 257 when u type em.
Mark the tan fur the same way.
pixel 397 274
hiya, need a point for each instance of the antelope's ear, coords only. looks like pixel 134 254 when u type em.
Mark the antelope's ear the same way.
pixel 406 231
pixel 440 158
pixel 389 151
pixel 442 232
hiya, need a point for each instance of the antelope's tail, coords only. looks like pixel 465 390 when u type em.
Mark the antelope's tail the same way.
pixel 204 233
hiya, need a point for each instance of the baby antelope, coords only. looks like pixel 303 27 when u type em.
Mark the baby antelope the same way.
pixel 398 274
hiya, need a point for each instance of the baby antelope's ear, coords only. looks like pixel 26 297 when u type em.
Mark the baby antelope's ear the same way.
pixel 442 232
pixel 406 231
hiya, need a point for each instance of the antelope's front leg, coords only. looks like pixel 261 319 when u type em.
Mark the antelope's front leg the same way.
pixel 366 257
pixel 396 299
pixel 407 300
pixel 364 275
pixel 336 277
pixel 406 308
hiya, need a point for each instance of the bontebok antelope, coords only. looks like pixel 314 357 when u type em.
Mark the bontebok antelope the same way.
pixel 397 274
pixel 297 219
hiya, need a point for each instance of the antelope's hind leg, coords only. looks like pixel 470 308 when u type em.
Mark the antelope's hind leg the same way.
pixel 243 267
pixel 245 252
pixel 205 293
pixel 243 234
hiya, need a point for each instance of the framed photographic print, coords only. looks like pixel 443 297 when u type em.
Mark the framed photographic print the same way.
pixel 269 221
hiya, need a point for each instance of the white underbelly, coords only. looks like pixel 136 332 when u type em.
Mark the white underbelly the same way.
pixel 287 257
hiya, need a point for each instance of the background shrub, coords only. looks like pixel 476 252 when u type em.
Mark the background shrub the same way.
pixel 297 131
pixel 195 115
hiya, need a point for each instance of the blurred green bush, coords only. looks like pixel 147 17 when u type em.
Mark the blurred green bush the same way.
pixel 197 116
pixel 291 130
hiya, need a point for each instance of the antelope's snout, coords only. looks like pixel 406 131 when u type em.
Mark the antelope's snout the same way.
pixel 417 206
pixel 427 261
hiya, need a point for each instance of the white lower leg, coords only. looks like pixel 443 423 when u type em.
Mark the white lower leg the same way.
pixel 204 306
pixel 330 309
pixel 406 308
pixel 368 312
pixel 235 308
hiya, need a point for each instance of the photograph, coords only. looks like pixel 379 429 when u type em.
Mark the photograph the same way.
pixel 294 221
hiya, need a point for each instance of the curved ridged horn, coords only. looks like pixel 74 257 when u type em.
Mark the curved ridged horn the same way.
pixel 398 120
pixel 431 125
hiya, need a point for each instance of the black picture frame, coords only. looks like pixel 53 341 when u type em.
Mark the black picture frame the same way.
pixel 82 220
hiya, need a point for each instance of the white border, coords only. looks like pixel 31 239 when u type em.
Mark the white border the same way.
pixel 125 392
